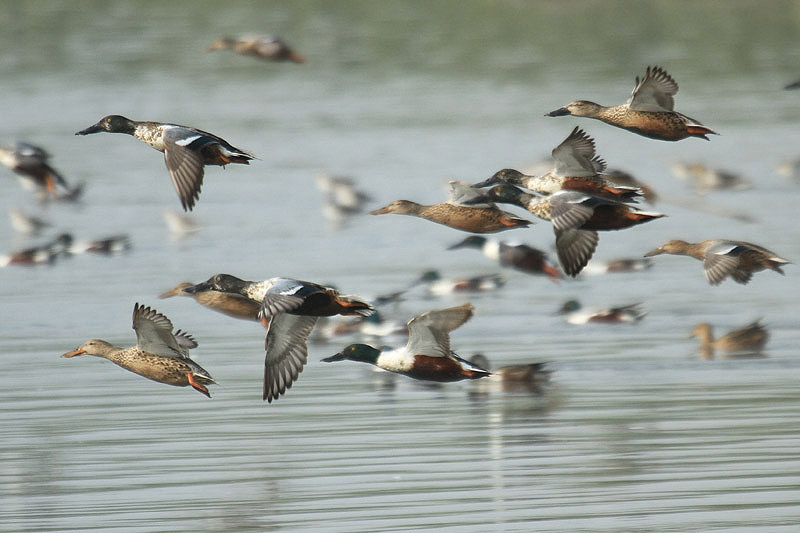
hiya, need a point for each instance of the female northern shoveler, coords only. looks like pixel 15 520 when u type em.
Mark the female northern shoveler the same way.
pixel 467 209
pixel 515 378
pixel 289 308
pixel 649 111
pixel 159 354
pixel 576 218
pixel 439 286
pixel 233 305
pixel 263 47
pixel 575 314
pixel 31 164
pixel 706 179
pixel 186 150
pixel 722 258
pixel 747 341
pixel 576 167
pixel 517 256
pixel 427 355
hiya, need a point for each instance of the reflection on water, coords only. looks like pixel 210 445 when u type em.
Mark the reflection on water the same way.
pixel 634 432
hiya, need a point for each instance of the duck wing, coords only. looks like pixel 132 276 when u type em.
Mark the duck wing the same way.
pixel 575 156
pixel 185 163
pixel 655 92
pixel 428 333
pixel 286 352
pixel 154 333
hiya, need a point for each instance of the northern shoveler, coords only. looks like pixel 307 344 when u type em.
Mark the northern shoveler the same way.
pixel 617 266
pixel 107 245
pixel 747 341
pixel 27 224
pixel 722 258
pixel 45 253
pixel 515 378
pixel 180 225
pixel 439 286
pixel 427 355
pixel 517 256
pixel 576 218
pixel 649 111
pixel 574 313
pixel 576 167
pixel 186 150
pixel 342 197
pixel 264 47
pixel 160 354
pixel 233 305
pixel 32 164
pixel 706 179
pixel 289 310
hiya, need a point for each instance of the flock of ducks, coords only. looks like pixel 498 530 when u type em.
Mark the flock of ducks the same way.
pixel 576 195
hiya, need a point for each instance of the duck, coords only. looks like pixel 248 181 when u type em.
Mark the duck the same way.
pixel 289 310
pixel 186 150
pixel 160 354
pixel 262 46
pixel 626 179
pixel 574 313
pixel 524 377
pixel 27 224
pixel 723 258
pixel 233 305
pixel 576 218
pixel 706 179
pixel 439 286
pixel 107 246
pixel 576 167
pixel 427 355
pixel 615 266
pixel 520 257
pixel 747 341
pixel 648 112
pixel 467 209
pixel 342 197
pixel 180 225
pixel 32 164
pixel 46 253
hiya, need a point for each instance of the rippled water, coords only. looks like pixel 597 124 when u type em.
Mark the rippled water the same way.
pixel 635 433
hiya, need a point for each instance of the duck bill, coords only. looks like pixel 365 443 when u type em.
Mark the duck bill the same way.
pixel 335 357
pixel 73 353
pixel 485 183
pixel 192 289
pixel 175 291
pixel 651 253
pixel 560 112
pixel 381 211
pixel 94 128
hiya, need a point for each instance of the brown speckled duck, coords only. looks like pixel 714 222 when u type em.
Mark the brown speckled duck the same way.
pixel 649 111
pixel 747 341
pixel 263 47
pixel 722 258
pixel 159 354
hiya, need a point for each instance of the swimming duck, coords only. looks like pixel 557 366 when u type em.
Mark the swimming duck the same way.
pixel 649 111
pixel 31 164
pixel 617 266
pixel 576 218
pixel 160 354
pixel 45 253
pixel 186 150
pixel 706 179
pixel 233 305
pixel 722 258
pixel 528 377
pixel 107 246
pixel 263 47
pixel 180 225
pixel 27 224
pixel 747 341
pixel 289 310
pixel 427 355
pixel 576 167
pixel 575 314
pixel 439 286
pixel 517 256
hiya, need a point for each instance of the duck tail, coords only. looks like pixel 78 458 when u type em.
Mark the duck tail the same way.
pixel 354 306
pixel 697 130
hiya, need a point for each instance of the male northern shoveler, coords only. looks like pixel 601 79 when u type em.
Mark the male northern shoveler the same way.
pixel 45 253
pixel 32 164
pixel 747 341
pixel 649 111
pixel 517 256
pixel 706 179
pixel 617 266
pixel 576 167
pixel 186 150
pixel 515 378
pixel 575 314
pixel 427 355
pixel 439 286
pixel 159 354
pixel 263 47
pixel 576 218
pixel 722 258
pixel 467 209
pixel 289 308
pixel 233 305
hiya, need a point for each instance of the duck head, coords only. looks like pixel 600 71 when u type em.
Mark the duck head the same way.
pixel 219 283
pixel 111 124
pixel 356 352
